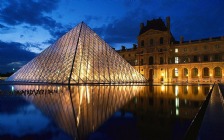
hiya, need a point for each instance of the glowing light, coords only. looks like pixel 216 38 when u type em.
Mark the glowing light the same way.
pixel 176 102
pixel 176 90
pixel 12 88
pixel 162 87
pixel 177 112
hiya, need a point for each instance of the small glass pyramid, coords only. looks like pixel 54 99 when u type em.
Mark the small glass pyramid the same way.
pixel 79 56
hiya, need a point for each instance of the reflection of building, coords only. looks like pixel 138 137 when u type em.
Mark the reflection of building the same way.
pixel 162 59
pixel 165 112
pixel 79 56
pixel 79 110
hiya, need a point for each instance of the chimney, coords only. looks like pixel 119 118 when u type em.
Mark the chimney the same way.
pixel 181 39
pixel 168 23
pixel 141 25
pixel 134 46
pixel 123 48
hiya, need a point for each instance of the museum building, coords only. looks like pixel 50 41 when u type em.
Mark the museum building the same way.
pixel 162 59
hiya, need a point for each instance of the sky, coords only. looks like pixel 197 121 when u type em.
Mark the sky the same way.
pixel 27 27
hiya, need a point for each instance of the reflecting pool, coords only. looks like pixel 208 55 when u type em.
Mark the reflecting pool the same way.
pixel 98 112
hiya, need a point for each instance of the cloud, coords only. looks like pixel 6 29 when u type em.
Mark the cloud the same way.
pixel 12 54
pixel 32 28
pixel 4 29
pixel 125 29
pixel 90 18
pixel 27 11
pixel 32 13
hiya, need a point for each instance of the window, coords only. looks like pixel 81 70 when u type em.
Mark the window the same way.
pixel 217 72
pixel 176 50
pixel 206 72
pixel 194 72
pixel 136 62
pixel 185 59
pixel 129 55
pixel 161 40
pixel 185 72
pixel 150 60
pixel 161 60
pixel 176 60
pixel 142 43
pixel 205 58
pixel 195 59
pixel 141 61
pixel 195 49
pixel 175 72
pixel 216 46
pixel 217 57
pixel 151 42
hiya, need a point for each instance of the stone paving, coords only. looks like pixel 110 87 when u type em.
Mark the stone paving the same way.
pixel 212 127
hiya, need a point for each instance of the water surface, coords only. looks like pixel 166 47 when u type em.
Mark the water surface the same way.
pixel 98 112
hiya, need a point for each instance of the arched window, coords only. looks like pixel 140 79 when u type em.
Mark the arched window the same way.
pixel 205 72
pixel 217 72
pixel 161 40
pixel 151 42
pixel 142 43
pixel 150 60
pixel 194 73
pixel 185 72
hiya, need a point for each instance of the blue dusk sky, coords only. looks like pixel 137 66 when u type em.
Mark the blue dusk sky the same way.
pixel 27 27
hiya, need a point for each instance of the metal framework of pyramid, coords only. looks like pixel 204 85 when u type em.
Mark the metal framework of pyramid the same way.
pixel 79 56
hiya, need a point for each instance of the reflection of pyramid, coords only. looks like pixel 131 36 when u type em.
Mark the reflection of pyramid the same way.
pixel 78 110
pixel 79 56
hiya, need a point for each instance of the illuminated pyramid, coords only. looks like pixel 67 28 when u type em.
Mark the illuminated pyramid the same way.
pixel 79 56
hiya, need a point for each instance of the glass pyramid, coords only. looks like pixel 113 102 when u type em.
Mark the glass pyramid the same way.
pixel 79 56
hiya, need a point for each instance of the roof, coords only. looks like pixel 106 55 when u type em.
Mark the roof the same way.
pixel 156 24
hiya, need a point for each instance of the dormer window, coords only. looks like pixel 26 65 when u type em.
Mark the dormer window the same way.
pixel 161 40
pixel 142 43
pixel 151 42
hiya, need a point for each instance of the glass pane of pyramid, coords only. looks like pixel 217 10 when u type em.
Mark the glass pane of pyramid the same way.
pixel 79 56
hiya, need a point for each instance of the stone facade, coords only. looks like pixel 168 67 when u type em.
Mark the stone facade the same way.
pixel 162 59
